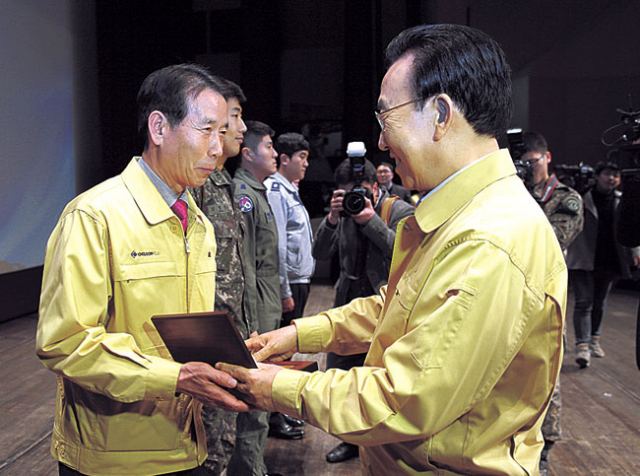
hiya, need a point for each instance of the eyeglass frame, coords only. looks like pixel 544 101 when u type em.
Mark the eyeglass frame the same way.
pixel 379 114
pixel 536 159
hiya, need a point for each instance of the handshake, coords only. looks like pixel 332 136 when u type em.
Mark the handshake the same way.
pixel 211 385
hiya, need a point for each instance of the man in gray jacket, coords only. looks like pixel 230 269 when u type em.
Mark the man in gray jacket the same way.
pixel 364 243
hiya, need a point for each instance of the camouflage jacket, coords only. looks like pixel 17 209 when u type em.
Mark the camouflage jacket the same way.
pixel 563 207
pixel 216 199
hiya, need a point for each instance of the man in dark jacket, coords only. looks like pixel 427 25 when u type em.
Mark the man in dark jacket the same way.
pixel 364 243
pixel 595 259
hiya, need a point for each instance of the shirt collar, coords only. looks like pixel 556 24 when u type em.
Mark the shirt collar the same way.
pixel 457 190
pixel 250 179
pixel 285 182
pixel 165 191
pixel 452 176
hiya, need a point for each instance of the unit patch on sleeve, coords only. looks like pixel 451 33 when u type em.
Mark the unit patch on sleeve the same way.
pixel 246 204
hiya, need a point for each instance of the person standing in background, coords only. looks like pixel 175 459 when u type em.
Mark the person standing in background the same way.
pixel 595 259
pixel 563 207
pixel 364 243
pixel 234 440
pixel 258 161
pixel 384 177
pixel 295 238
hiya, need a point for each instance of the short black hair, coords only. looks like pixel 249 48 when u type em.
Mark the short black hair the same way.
pixel 234 91
pixel 464 63
pixel 600 166
pixel 343 175
pixel 534 142
pixel 291 142
pixel 256 131
pixel 170 91
pixel 386 164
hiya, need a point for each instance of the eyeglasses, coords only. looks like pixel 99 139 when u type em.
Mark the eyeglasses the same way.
pixel 380 114
pixel 535 160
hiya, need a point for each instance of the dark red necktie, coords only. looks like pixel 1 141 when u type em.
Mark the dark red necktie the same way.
pixel 180 209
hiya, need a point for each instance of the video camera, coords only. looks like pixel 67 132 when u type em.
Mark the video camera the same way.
pixel 580 177
pixel 354 199
pixel 517 150
pixel 626 154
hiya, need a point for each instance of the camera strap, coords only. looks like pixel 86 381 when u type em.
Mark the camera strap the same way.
pixel 550 186
pixel 385 213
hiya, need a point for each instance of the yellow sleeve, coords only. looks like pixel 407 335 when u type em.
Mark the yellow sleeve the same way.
pixel 344 330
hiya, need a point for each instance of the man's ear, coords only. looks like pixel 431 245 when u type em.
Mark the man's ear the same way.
pixel 157 125
pixel 284 159
pixel 245 154
pixel 444 115
pixel 548 157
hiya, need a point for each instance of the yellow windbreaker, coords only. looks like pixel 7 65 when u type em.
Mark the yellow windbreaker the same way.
pixel 464 345
pixel 117 257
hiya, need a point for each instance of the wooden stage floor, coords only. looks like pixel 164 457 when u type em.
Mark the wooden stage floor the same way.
pixel 601 405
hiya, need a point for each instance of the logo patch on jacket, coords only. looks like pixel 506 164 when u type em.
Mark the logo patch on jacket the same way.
pixel 246 204
pixel 141 254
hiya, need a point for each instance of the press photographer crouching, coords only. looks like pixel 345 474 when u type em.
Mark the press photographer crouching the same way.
pixel 361 227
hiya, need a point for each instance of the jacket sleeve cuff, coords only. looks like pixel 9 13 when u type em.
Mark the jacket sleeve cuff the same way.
pixel 314 333
pixel 285 391
pixel 162 379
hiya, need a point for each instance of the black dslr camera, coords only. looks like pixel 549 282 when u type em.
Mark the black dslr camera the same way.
pixel 516 149
pixel 354 199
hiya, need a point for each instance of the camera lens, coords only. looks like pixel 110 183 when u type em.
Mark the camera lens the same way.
pixel 353 202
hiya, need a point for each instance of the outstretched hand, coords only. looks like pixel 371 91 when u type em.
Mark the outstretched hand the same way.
pixel 209 385
pixel 274 346
pixel 254 384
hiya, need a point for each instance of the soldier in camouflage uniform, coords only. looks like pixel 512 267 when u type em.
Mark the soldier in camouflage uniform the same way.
pixel 563 207
pixel 216 199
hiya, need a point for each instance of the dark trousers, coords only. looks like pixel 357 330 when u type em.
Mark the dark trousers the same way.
pixel 357 289
pixel 300 295
pixel 591 289
pixel 65 470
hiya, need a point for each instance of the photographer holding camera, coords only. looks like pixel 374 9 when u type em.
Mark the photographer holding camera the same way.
pixel 364 241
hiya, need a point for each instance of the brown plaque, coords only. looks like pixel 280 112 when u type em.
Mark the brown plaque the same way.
pixel 209 337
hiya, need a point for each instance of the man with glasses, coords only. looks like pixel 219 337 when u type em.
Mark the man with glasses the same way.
pixel 561 204
pixel 384 177
pixel 563 207
pixel 464 345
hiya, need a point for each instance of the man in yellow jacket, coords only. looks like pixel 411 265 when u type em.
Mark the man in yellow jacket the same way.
pixel 118 256
pixel 464 345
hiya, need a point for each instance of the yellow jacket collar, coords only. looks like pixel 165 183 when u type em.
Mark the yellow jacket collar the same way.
pixel 435 210
pixel 152 206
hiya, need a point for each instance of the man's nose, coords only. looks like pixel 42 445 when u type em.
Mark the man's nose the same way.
pixel 382 142
pixel 216 146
